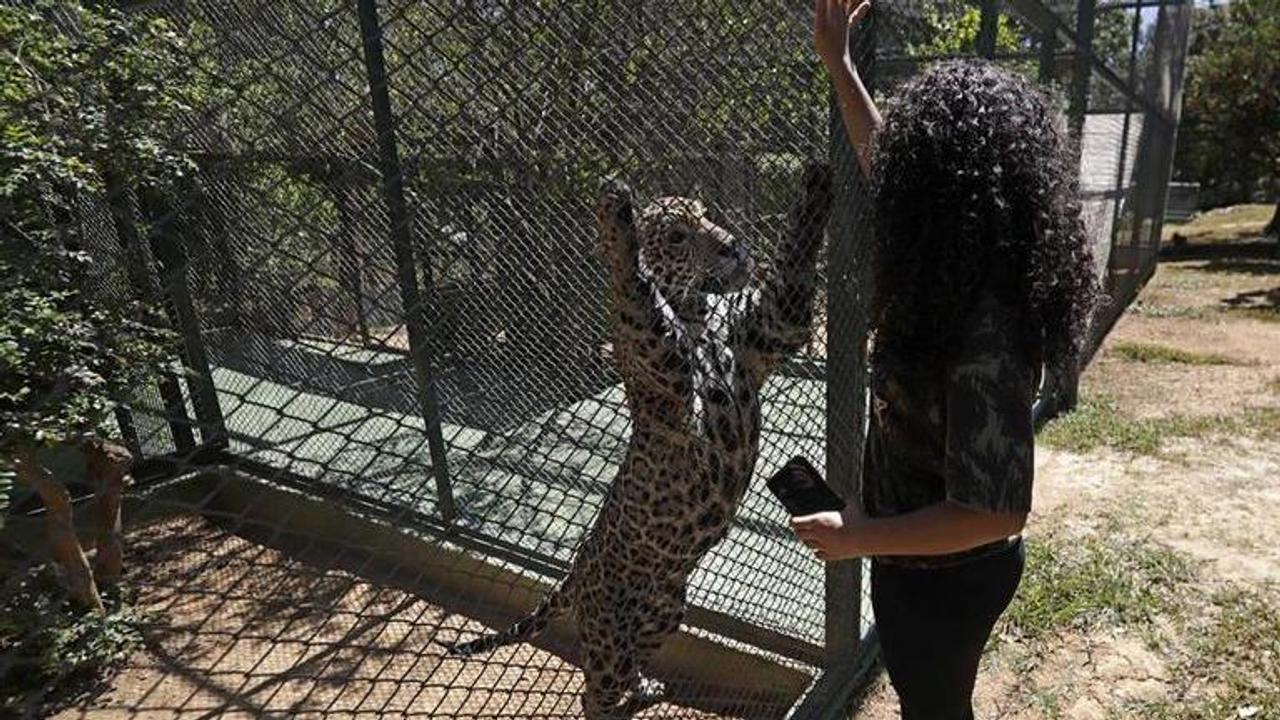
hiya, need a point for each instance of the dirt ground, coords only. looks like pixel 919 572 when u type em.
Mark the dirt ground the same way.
pixel 1210 496
pixel 242 630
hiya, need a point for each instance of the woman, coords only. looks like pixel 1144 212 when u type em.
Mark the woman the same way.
pixel 982 276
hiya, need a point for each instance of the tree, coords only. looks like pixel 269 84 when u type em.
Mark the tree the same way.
pixel 954 31
pixel 1230 135
pixel 83 119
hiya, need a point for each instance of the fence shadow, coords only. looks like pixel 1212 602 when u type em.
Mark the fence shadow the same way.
pixel 250 618
pixel 492 395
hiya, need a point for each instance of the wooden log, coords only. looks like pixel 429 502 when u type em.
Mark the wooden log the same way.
pixel 108 466
pixel 60 529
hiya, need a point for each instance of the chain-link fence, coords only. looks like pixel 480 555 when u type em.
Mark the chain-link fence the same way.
pixel 399 415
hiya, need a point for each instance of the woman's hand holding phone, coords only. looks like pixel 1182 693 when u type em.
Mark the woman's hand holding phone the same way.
pixel 820 517
pixel 832 535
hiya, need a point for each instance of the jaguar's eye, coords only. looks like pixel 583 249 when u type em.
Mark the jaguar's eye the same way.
pixel 678 237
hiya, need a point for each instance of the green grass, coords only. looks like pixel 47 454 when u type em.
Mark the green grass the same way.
pixel 1153 353
pixel 1152 310
pixel 1101 579
pixel 1221 645
pixel 1251 422
pixel 1098 423
pixel 1232 651
pixel 1242 645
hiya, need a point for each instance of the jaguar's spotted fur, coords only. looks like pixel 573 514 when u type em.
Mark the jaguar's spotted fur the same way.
pixel 693 345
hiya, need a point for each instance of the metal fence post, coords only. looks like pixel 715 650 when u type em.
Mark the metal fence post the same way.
pixel 172 258
pixel 846 333
pixel 124 211
pixel 420 344
pixel 128 431
pixel 849 238
pixel 1065 388
pixel 1127 177
pixel 1082 70
pixel 1159 129
pixel 1048 60
pixel 1169 69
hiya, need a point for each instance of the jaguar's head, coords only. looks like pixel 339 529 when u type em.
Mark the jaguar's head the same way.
pixel 683 251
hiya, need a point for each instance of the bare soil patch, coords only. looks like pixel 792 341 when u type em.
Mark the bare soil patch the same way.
pixel 242 630
pixel 1214 299
pixel 1211 499
pixel 1223 278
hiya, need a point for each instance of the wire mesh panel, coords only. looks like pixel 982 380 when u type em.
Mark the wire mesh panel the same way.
pixel 390 248
pixel 393 414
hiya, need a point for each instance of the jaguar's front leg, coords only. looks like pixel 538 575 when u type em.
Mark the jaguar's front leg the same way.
pixel 646 349
pixel 778 321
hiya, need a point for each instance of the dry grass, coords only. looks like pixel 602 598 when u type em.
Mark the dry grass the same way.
pixel 1235 222
pixel 1155 353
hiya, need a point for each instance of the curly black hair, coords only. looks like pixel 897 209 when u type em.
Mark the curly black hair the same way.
pixel 976 189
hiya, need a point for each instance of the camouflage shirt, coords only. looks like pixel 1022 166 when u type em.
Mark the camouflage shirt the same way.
pixel 960 432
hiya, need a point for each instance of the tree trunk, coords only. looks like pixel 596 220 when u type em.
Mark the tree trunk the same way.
pixel 61 529
pixel 351 273
pixel 1273 227
pixel 108 466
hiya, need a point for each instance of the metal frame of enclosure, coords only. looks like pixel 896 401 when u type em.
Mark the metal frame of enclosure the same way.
pixel 393 346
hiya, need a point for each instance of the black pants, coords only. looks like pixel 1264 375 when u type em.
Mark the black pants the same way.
pixel 933 625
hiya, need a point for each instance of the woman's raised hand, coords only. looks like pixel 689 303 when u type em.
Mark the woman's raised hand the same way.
pixel 832 23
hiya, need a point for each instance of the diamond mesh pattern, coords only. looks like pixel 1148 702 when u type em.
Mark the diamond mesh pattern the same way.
pixel 401 410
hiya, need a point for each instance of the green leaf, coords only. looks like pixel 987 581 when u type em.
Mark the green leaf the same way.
pixel 75 110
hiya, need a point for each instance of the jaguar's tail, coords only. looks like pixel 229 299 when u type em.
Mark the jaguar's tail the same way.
pixel 526 628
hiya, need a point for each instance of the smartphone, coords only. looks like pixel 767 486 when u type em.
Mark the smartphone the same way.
pixel 801 489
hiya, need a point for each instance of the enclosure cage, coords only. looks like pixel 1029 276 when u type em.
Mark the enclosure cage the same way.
pixel 392 413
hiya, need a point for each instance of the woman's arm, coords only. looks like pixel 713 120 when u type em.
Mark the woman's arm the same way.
pixel 832 23
pixel 938 529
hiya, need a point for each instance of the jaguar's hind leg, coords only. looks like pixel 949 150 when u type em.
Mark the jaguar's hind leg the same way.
pixel 646 693
pixel 609 664
pixel 663 614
